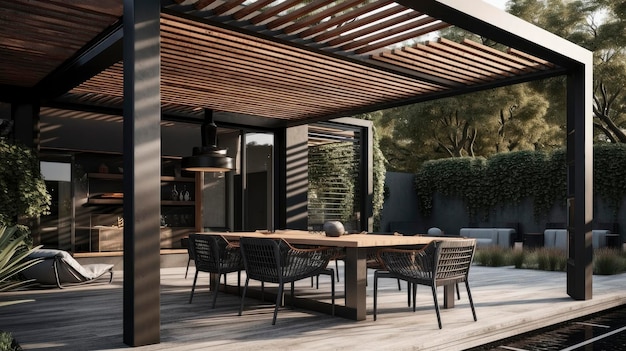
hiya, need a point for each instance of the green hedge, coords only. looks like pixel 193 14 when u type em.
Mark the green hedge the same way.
pixel 509 178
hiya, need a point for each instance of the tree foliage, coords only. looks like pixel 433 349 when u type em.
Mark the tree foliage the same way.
pixel 479 124
pixel 599 26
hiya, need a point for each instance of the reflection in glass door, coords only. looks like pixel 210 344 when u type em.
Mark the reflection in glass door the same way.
pixel 253 194
pixel 56 228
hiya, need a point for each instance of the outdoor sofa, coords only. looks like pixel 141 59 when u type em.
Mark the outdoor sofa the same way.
pixel 502 237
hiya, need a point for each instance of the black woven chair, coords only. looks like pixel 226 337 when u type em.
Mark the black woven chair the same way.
pixel 439 263
pixel 214 254
pixel 275 261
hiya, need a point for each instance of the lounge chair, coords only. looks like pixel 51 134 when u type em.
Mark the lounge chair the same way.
pixel 59 268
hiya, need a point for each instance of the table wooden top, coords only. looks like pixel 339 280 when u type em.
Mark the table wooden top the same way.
pixel 349 240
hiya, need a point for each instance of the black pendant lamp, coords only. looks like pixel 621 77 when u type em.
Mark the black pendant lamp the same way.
pixel 208 157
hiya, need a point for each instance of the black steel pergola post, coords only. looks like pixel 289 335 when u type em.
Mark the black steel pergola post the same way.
pixel 142 172
pixel 580 181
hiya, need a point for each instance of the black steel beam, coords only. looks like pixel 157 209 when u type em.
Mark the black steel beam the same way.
pixel 104 51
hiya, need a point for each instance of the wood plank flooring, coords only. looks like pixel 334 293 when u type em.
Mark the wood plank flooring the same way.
pixel 508 302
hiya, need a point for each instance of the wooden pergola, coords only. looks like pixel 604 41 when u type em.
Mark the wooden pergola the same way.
pixel 274 64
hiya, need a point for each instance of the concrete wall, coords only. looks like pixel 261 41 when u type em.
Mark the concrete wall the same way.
pixel 449 214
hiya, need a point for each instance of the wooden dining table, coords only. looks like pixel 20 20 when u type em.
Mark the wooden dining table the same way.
pixel 356 247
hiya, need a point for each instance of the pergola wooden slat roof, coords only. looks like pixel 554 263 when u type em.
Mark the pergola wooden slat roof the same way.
pixel 278 62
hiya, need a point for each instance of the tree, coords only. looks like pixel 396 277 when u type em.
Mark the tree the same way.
pixel 478 124
pixel 598 25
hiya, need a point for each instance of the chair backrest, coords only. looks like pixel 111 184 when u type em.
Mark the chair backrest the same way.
pixel 454 259
pixel 204 250
pixel 211 254
pixel 261 258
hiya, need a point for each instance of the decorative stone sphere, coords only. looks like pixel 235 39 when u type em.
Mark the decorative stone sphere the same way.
pixel 334 228
pixel 435 231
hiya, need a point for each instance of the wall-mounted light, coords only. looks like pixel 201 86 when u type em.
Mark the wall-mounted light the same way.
pixel 208 157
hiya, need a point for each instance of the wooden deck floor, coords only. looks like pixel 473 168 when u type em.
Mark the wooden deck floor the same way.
pixel 508 302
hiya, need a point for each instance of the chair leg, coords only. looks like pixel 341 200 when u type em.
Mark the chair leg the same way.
pixel 332 291
pixel 434 288
pixel 408 293
pixel 193 287
pixel 375 292
pixel 458 292
pixel 292 294
pixel 238 282
pixel 414 295
pixel 337 269
pixel 399 287
pixel 187 270
pixel 216 287
pixel 469 295
pixel 278 299
pixel 243 296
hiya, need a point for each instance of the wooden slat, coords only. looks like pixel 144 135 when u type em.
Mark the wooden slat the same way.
pixel 281 56
pixel 250 9
pixel 391 36
pixel 273 11
pixel 368 28
pixel 430 64
pixel 330 12
pixel 37 37
pixel 421 67
pixel 222 9
pixel 519 62
pixel 479 56
pixel 532 58
pixel 471 59
pixel 409 35
pixel 296 14
pixel 430 53
pixel 335 34
pixel 343 19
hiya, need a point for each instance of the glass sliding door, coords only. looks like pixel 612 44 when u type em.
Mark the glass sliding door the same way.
pixel 254 200
pixel 56 229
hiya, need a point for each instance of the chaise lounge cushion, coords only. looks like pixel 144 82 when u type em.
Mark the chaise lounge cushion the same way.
pixel 59 268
